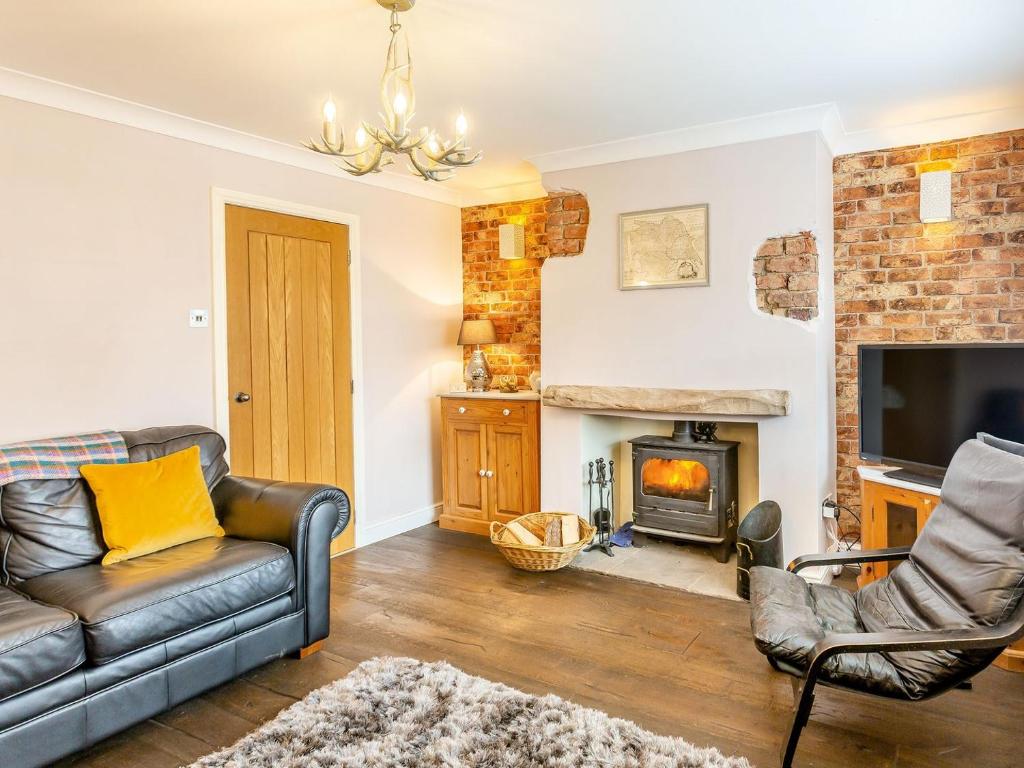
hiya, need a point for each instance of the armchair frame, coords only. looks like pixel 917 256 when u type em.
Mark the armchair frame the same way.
pixel 997 636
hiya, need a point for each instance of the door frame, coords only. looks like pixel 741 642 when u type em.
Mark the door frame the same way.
pixel 219 199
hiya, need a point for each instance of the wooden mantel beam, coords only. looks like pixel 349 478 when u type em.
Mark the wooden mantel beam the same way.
pixel 712 402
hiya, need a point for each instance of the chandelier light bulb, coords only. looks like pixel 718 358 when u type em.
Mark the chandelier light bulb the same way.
pixel 461 125
pixel 401 104
pixel 330 110
pixel 360 137
pixel 432 145
pixel 330 128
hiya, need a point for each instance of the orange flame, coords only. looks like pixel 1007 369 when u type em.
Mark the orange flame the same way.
pixel 675 479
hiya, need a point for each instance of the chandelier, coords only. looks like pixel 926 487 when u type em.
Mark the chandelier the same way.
pixel 429 155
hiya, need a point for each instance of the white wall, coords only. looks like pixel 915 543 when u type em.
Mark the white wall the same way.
pixel 105 246
pixel 714 337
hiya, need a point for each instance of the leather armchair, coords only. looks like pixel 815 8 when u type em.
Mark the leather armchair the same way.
pixel 305 518
pixel 944 614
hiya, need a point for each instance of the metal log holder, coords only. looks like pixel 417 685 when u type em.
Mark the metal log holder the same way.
pixel 601 477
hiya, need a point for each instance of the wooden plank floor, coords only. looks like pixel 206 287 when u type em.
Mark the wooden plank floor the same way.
pixel 677 663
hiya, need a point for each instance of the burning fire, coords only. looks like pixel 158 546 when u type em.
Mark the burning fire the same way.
pixel 676 479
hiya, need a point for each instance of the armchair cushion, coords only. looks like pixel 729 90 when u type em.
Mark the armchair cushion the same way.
pixel 789 616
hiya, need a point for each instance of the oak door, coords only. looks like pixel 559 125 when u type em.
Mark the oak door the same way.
pixel 289 350
pixel 467 469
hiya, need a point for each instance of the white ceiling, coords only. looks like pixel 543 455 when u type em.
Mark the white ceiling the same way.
pixel 533 76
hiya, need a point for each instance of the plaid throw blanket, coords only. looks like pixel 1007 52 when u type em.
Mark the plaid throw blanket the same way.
pixel 60 457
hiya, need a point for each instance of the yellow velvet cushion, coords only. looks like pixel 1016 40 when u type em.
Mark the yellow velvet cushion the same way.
pixel 152 505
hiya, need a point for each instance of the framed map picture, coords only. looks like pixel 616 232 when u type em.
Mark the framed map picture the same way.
pixel 666 248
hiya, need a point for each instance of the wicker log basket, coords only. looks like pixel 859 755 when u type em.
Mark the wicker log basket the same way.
pixel 530 557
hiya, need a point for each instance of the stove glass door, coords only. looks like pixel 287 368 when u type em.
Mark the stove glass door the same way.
pixel 680 479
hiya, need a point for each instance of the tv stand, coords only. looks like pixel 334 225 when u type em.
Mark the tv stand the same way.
pixel 931 479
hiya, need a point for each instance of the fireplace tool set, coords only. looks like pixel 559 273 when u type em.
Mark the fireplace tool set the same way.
pixel 601 478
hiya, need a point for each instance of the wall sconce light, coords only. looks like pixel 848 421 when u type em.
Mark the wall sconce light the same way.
pixel 511 241
pixel 936 196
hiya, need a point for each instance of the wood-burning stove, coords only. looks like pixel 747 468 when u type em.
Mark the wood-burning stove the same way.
pixel 686 488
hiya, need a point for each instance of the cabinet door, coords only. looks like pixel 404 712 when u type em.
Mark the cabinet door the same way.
pixel 893 518
pixel 466 461
pixel 511 456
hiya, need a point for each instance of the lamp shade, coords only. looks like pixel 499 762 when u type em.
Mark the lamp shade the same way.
pixel 477 332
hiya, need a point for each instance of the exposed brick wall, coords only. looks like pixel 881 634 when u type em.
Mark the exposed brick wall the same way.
pixel 508 292
pixel 898 280
pixel 786 276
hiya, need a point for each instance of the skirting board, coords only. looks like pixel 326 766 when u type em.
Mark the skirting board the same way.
pixel 396 525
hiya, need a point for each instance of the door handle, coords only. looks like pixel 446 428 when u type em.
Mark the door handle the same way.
pixel 242 397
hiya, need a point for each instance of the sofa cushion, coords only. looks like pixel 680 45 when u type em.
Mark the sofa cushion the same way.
pixel 147 506
pixel 133 604
pixel 38 643
pixel 157 442
pixel 45 526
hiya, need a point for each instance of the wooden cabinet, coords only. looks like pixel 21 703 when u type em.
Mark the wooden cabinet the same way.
pixel 490 456
pixel 891 516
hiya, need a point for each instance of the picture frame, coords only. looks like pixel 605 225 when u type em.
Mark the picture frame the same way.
pixel 664 248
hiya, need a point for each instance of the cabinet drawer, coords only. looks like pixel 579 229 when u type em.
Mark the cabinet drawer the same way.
pixel 491 411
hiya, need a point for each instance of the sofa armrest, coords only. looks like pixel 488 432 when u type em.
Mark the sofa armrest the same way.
pixel 275 511
pixel 304 517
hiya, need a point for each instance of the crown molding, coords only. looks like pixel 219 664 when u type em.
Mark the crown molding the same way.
pixel 823 119
pixel 763 126
pixel 70 98
pixel 931 131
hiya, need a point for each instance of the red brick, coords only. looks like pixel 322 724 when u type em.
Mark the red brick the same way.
pixel 914 334
pixel 942 152
pixel 904 156
pixel 979 240
pixel 985 144
pixel 986 269
pixel 901 261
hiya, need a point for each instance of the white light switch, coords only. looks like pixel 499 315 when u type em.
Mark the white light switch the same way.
pixel 198 318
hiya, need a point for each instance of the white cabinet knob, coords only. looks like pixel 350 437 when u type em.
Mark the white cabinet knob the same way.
pixel 489 473
pixel 482 472
pixel 462 409
pixel 506 412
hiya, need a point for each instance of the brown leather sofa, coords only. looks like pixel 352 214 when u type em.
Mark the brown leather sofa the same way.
pixel 87 650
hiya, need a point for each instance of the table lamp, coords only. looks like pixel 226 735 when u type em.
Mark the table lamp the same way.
pixel 475 333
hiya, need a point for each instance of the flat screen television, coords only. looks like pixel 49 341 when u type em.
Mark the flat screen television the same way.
pixel 918 403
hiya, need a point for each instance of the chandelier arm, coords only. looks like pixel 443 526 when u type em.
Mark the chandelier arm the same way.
pixel 372 165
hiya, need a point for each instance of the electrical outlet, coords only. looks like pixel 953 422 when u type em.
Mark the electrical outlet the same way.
pixel 198 318
pixel 828 507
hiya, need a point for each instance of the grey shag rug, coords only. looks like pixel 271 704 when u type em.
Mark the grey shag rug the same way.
pixel 403 713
